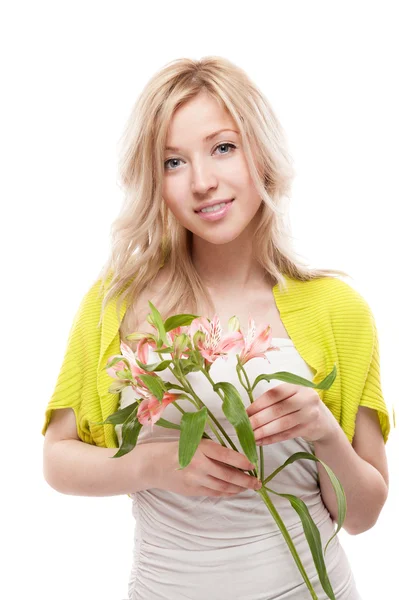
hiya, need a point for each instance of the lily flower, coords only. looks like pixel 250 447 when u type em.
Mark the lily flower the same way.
pixel 213 344
pixel 128 360
pixel 256 344
pixel 150 409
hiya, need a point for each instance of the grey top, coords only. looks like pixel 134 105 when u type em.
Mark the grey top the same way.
pixel 196 547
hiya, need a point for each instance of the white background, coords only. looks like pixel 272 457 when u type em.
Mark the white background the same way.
pixel 71 72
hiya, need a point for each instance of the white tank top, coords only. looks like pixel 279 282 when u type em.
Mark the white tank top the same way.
pixel 196 547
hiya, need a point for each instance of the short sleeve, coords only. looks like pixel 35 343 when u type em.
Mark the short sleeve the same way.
pixel 76 383
pixel 372 396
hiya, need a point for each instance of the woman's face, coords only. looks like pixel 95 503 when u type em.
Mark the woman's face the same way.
pixel 200 171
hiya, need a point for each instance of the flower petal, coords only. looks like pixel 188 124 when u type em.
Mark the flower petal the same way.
pixel 150 409
pixel 142 351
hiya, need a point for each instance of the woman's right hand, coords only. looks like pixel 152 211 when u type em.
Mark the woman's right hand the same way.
pixel 213 471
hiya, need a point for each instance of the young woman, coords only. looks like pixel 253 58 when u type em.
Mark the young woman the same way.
pixel 204 229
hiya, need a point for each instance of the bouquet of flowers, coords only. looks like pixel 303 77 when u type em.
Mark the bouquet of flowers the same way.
pixel 194 343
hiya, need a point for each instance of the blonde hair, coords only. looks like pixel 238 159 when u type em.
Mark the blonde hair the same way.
pixel 146 235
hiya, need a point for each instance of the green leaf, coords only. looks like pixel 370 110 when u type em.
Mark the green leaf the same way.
pixel 313 537
pixel 179 321
pixel 197 358
pixel 188 366
pixel 297 379
pixel 235 412
pixel 115 360
pixel 124 374
pixel 130 432
pixel 166 350
pixel 158 323
pixel 338 489
pixel 192 428
pixel 154 384
pixel 154 367
pixel 169 385
pixel 119 416
pixel 168 424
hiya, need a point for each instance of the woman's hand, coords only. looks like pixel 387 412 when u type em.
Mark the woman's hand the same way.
pixel 214 470
pixel 288 411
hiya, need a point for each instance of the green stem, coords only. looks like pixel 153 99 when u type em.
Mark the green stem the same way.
pixel 251 398
pixel 273 511
pixel 212 416
pixel 239 373
pixel 209 378
pixel 180 408
pixel 188 388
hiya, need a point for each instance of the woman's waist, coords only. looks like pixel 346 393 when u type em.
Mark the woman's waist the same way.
pixel 190 522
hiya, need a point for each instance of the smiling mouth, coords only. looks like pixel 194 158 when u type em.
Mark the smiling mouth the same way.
pixel 215 207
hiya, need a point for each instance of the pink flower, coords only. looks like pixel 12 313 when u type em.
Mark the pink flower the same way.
pixel 151 409
pixel 213 344
pixel 256 344
pixel 132 377
pixel 130 358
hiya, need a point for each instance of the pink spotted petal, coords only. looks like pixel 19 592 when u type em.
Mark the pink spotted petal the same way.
pixel 128 353
pixel 230 341
pixel 201 324
pixel 262 341
pixel 142 350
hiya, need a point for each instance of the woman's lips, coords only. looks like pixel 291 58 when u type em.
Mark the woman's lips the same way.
pixel 217 214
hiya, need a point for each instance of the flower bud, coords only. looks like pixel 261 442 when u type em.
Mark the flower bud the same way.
pixel 199 337
pixel 150 320
pixel 180 344
pixel 136 336
pixel 233 324
pixel 117 386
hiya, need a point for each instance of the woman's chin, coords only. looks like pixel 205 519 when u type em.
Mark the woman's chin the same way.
pixel 217 237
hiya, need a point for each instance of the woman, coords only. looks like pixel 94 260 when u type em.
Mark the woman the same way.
pixel 204 230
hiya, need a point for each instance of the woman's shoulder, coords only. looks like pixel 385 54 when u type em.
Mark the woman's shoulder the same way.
pixel 349 313
pixel 335 293
pixel 331 301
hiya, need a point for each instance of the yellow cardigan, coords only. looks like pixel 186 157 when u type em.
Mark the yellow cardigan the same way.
pixel 328 321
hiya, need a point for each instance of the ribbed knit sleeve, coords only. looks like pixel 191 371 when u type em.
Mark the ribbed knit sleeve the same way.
pixel 332 324
pixel 77 379
pixel 372 396
pixel 356 336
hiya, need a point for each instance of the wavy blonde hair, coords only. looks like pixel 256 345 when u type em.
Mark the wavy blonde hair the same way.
pixel 146 236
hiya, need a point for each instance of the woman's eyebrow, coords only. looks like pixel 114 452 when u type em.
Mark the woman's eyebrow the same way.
pixel 206 139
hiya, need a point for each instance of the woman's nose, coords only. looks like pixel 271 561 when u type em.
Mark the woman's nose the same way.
pixel 203 178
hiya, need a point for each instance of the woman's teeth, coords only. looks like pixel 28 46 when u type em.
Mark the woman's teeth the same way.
pixel 213 208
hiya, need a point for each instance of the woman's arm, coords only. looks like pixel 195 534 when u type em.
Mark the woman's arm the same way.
pixel 73 467
pixel 361 468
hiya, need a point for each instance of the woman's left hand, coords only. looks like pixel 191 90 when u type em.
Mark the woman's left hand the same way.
pixel 288 411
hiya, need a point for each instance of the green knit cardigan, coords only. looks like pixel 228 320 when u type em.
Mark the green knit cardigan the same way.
pixel 328 321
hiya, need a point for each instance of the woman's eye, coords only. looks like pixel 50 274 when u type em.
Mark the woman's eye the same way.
pixel 170 160
pixel 227 145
